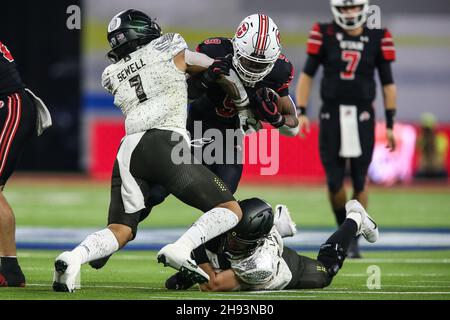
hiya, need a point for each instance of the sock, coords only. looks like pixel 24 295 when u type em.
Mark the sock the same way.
pixel 340 215
pixel 208 226
pixel 345 234
pixel 9 263
pixel 97 245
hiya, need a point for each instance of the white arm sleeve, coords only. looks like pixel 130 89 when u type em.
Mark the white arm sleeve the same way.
pixel 197 59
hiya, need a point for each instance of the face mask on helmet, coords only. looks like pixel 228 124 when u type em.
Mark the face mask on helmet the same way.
pixel 256 47
pixel 350 14
pixel 251 231
pixel 237 248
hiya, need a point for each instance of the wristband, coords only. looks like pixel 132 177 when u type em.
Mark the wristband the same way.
pixel 390 115
pixel 301 111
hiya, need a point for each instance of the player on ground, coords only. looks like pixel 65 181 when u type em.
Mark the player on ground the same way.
pixel 349 52
pixel 148 81
pixel 22 116
pixel 251 256
pixel 255 54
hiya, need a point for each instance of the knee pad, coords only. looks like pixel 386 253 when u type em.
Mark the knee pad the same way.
pixel 332 256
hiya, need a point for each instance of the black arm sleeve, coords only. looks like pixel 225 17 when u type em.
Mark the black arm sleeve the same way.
pixel 311 65
pixel 385 73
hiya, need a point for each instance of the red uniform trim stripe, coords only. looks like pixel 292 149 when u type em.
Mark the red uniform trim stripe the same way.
pixel 15 110
pixel 262 35
pixel 314 42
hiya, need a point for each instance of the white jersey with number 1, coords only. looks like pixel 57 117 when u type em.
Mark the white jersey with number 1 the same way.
pixel 149 89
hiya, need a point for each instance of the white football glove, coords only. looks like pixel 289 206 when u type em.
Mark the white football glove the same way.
pixel 283 222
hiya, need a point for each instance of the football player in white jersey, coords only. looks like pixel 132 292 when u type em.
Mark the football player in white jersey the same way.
pixel 148 81
pixel 251 256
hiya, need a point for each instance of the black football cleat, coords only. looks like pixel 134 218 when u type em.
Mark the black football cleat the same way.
pixel 12 278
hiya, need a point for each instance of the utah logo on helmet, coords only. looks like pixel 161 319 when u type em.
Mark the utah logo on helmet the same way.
pixel 256 47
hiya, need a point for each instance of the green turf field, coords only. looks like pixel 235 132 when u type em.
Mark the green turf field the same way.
pixel 136 275
pixel 86 205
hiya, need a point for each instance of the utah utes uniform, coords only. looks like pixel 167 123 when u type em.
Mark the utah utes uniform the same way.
pixel 152 94
pixel 22 115
pixel 216 110
pixel 348 90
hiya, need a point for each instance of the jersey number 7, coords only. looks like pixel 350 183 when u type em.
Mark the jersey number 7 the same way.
pixel 136 83
pixel 352 58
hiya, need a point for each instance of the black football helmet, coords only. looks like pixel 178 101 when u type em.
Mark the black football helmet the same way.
pixel 250 232
pixel 129 30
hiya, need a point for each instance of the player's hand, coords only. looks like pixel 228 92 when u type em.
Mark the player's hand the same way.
pixel 390 140
pixel 267 107
pixel 303 125
pixel 220 67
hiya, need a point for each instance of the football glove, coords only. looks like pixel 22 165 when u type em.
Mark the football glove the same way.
pixel 220 67
pixel 267 107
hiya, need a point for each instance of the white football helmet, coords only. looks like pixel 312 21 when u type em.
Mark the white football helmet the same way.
pixel 350 21
pixel 256 48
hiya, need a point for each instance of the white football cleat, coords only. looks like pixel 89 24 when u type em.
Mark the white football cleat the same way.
pixel 179 257
pixel 66 277
pixel 283 222
pixel 368 228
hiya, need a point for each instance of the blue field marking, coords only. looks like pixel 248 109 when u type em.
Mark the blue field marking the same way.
pixel 304 240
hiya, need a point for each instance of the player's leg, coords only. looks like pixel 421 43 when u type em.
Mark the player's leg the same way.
pixel 334 165
pixel 306 273
pixel 130 197
pixel 17 125
pixel 230 174
pixel 194 185
pixel 359 167
pixel 358 222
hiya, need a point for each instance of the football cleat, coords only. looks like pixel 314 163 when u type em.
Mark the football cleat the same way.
pixel 12 279
pixel 66 277
pixel 178 257
pixel 368 228
pixel 283 222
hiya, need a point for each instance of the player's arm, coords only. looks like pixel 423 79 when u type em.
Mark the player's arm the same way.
pixel 314 48
pixel 389 88
pixel 222 281
pixel 287 110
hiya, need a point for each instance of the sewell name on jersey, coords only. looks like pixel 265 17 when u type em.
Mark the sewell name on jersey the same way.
pixel 130 69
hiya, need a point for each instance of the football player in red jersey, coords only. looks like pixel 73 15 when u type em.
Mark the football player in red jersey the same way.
pixel 22 115
pixel 349 52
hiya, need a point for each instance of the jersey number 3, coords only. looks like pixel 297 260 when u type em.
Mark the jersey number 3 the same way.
pixel 352 58
pixel 136 83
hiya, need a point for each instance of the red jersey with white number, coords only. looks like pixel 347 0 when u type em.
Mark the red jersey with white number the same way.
pixel 349 62
pixel 10 80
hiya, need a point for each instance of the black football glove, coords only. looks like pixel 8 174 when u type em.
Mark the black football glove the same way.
pixel 267 107
pixel 220 66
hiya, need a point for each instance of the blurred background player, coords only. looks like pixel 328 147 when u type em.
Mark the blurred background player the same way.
pixel 432 147
pixel 22 116
pixel 252 256
pixel 255 55
pixel 349 52
pixel 148 81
